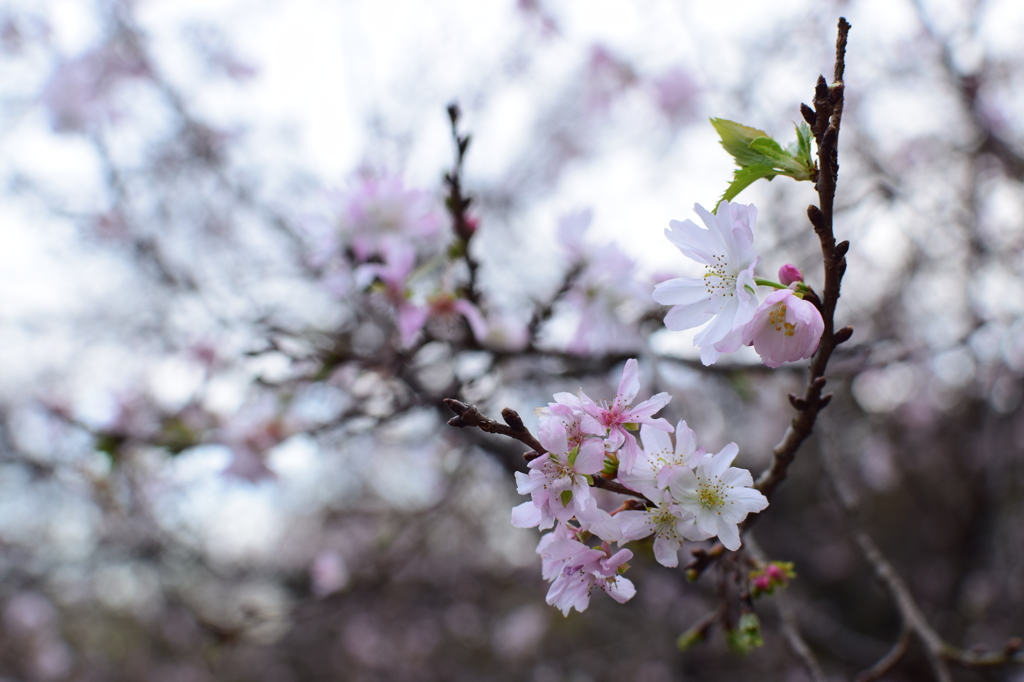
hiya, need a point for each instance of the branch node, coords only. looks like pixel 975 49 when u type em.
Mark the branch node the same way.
pixel 531 455
pixel 797 402
pixel 457 422
pixel 455 406
pixel 513 419
pixel 841 249
pixel 825 400
pixel 820 88
pixel 843 335
pixel 808 114
pixel 816 217
pixel 831 134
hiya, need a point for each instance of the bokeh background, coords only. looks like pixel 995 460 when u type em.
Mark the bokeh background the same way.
pixel 223 454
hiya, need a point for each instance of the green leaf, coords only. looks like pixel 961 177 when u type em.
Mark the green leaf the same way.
pixel 744 177
pixel 759 156
pixel 736 139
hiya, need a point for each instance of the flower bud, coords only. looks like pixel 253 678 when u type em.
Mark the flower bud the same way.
pixel 789 273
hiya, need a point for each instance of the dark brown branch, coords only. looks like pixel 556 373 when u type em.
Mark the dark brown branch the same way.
pixel 828 116
pixel 468 415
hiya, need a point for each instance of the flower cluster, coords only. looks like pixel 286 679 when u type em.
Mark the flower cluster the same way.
pixel 784 328
pixel 691 495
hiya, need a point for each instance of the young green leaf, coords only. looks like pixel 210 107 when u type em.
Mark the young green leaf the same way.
pixel 759 156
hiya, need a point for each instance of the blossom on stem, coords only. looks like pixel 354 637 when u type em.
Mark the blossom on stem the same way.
pixel 725 297
pixel 613 421
pixel 667 521
pixel 575 569
pixel 719 496
pixel 559 485
pixel 785 328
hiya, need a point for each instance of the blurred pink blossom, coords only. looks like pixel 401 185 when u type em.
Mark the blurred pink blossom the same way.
pixel 676 93
pixel 381 213
pixel 78 95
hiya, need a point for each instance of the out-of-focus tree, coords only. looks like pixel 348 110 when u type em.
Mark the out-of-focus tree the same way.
pixel 229 327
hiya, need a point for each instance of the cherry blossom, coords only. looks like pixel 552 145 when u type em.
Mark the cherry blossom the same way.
pixel 725 297
pixel 575 569
pixel 719 496
pixel 660 458
pixel 559 486
pixel 667 521
pixel 785 328
pixel 613 421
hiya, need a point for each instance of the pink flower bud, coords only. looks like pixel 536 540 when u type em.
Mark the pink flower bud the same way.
pixel 775 573
pixel 785 328
pixel 790 273
pixel 762 583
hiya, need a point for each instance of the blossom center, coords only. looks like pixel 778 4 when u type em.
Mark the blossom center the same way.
pixel 710 495
pixel 717 279
pixel 777 319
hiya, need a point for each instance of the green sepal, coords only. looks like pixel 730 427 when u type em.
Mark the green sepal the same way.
pixel 573 454
pixel 631 426
pixel 611 466
pixel 565 497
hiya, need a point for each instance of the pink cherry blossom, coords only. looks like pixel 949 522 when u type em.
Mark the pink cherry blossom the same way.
pixel 610 421
pixel 579 568
pixel 559 486
pixel 785 328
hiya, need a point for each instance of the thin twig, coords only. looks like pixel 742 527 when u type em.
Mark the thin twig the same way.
pixel 939 653
pixel 789 623
pixel 889 661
